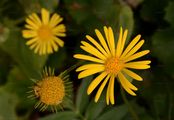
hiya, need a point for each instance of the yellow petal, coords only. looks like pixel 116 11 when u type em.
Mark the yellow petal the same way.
pixel 29 42
pixel 49 48
pixel 111 41
pixel 29 33
pixel 102 41
pixel 37 48
pixel 59 34
pixel 32 24
pixel 90 49
pixel 58 41
pixel 88 72
pixel 112 89
pixel 137 55
pixel 108 92
pixel 44 48
pixel 132 74
pixel 124 84
pixel 34 17
pixel 101 88
pixel 89 58
pixel 97 45
pixel 143 62
pixel 135 49
pixel 106 31
pixel 136 66
pixel 33 45
pixel 96 82
pixel 55 20
pixel 88 66
pixel 123 41
pixel 59 28
pixel 45 16
pixel 127 82
pixel 131 45
pixel 54 45
pixel 30 27
pixel 41 50
pixel 118 51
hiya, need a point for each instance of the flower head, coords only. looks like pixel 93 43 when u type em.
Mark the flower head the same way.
pixel 51 90
pixel 44 33
pixel 111 61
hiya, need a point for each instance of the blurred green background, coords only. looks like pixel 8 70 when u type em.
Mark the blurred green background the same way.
pixel 153 19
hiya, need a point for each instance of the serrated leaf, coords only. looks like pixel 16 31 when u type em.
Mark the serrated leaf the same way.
pixel 66 115
pixel 82 99
pixel 115 113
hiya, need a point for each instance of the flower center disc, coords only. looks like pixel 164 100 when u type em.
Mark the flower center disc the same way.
pixel 113 65
pixel 52 91
pixel 44 33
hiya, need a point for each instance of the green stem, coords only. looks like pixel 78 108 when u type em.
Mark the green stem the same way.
pixel 80 116
pixel 170 106
pixel 73 67
pixel 133 113
pixel 19 21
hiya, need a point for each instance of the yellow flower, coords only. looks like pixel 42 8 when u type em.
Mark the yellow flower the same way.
pixel 51 90
pixel 111 62
pixel 44 33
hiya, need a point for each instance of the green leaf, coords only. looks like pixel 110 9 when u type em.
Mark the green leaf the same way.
pixel 82 99
pixel 126 19
pixel 80 15
pixel 30 63
pixel 5 62
pixel 153 10
pixel 66 115
pixel 94 109
pixel 169 13
pixel 115 113
pixel 4 33
pixel 141 112
pixel 8 103
pixel 101 7
pixel 49 4
pixel 159 105
pixel 31 6
pixel 55 60
pixel 19 84
pixel 163 42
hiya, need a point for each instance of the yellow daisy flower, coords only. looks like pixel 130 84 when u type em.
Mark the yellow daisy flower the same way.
pixel 111 62
pixel 44 33
pixel 51 90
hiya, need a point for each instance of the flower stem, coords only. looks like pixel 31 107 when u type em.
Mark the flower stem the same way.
pixel 80 116
pixel 133 113
pixel 73 67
